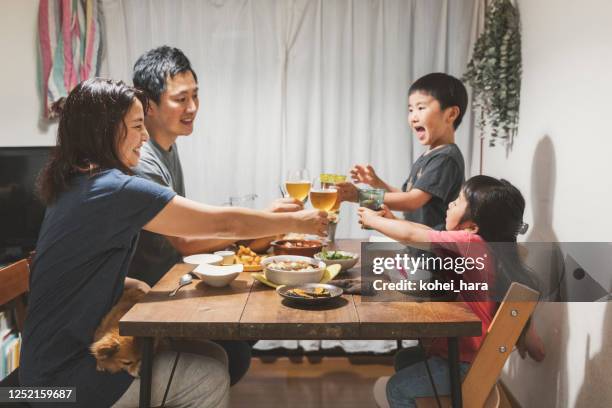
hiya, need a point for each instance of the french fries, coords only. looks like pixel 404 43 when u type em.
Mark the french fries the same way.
pixel 247 257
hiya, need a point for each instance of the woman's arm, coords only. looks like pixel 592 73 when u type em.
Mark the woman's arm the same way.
pixel 186 218
pixel 403 231
pixel 190 246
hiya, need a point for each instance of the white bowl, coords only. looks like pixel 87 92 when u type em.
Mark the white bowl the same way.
pixel 281 277
pixel 344 263
pixel 218 276
pixel 200 259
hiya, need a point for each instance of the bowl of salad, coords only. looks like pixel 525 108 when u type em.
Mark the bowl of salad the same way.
pixel 345 259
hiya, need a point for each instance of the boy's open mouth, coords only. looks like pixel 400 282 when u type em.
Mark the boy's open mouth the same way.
pixel 420 131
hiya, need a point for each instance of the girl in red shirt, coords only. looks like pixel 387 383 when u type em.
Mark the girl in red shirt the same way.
pixel 487 211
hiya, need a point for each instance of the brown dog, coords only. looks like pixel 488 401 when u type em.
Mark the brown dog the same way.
pixel 112 351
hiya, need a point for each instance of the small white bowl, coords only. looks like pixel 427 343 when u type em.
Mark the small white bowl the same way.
pixel 344 263
pixel 228 257
pixel 281 277
pixel 218 276
pixel 201 259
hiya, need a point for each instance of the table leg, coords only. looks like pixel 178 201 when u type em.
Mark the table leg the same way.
pixel 453 368
pixel 146 372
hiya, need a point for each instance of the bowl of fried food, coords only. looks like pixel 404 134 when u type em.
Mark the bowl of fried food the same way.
pixel 301 247
pixel 345 259
pixel 293 269
pixel 247 257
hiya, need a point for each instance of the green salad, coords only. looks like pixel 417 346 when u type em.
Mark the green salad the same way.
pixel 334 255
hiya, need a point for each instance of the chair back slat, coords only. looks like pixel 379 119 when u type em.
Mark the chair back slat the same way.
pixel 510 319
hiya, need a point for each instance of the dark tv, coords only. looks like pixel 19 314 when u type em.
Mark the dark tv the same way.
pixel 21 211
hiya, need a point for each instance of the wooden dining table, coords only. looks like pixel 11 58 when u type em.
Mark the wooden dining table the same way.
pixel 249 310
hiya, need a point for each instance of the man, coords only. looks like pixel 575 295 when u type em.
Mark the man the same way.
pixel 166 77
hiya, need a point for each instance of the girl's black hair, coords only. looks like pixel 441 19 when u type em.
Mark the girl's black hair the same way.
pixel 88 133
pixel 497 208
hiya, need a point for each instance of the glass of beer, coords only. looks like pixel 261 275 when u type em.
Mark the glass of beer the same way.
pixel 323 195
pixel 297 184
pixel 329 180
pixel 372 198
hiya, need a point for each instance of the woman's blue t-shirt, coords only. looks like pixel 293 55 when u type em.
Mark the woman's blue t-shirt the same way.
pixel 82 257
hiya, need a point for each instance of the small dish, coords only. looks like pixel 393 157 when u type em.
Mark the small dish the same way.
pixel 286 291
pixel 345 264
pixel 200 259
pixel 228 257
pixel 217 276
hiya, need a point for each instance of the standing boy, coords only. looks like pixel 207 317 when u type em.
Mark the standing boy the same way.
pixel 436 105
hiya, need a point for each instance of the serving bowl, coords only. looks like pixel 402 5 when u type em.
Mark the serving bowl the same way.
pixel 288 277
pixel 344 263
pixel 217 276
pixel 301 247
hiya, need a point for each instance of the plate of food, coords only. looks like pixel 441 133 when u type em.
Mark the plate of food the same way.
pixel 251 261
pixel 310 293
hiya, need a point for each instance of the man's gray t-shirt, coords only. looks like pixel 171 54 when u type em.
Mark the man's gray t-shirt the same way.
pixel 440 172
pixel 154 254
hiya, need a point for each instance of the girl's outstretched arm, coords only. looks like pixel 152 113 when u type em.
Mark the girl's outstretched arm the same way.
pixel 400 230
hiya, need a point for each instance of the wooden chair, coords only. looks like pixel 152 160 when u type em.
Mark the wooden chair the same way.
pixel 480 388
pixel 15 283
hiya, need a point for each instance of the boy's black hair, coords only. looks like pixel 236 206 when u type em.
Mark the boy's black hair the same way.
pixel 448 90
pixel 154 66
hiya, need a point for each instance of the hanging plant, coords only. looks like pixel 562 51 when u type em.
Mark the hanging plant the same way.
pixel 494 73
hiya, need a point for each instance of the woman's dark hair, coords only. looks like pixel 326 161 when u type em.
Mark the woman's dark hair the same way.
pixel 90 123
pixel 497 208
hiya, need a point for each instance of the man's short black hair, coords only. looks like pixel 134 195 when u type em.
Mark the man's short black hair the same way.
pixel 154 66
pixel 448 90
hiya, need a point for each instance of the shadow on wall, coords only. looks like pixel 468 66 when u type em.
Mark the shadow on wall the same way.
pixel 544 384
pixel 595 391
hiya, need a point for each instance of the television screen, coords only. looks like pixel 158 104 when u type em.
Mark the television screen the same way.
pixel 21 212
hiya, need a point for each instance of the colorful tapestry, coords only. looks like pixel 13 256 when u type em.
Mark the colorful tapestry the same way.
pixel 69 34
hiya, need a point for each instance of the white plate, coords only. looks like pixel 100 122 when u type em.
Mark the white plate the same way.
pixel 200 259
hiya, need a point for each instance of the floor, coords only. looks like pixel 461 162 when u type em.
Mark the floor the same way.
pixel 315 382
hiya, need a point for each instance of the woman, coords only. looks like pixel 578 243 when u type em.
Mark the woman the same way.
pixel 95 210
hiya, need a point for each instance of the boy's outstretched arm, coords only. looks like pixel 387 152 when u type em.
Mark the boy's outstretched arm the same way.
pixel 365 174
pixel 403 231
pixel 407 201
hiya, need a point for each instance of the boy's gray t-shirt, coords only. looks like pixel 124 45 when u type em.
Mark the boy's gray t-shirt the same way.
pixel 441 172
pixel 154 254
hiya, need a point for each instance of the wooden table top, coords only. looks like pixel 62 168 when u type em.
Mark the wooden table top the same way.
pixel 249 310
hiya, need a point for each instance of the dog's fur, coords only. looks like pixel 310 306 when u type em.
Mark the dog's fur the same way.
pixel 112 351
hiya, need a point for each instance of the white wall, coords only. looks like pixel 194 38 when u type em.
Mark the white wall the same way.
pixel 561 162
pixel 20 105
